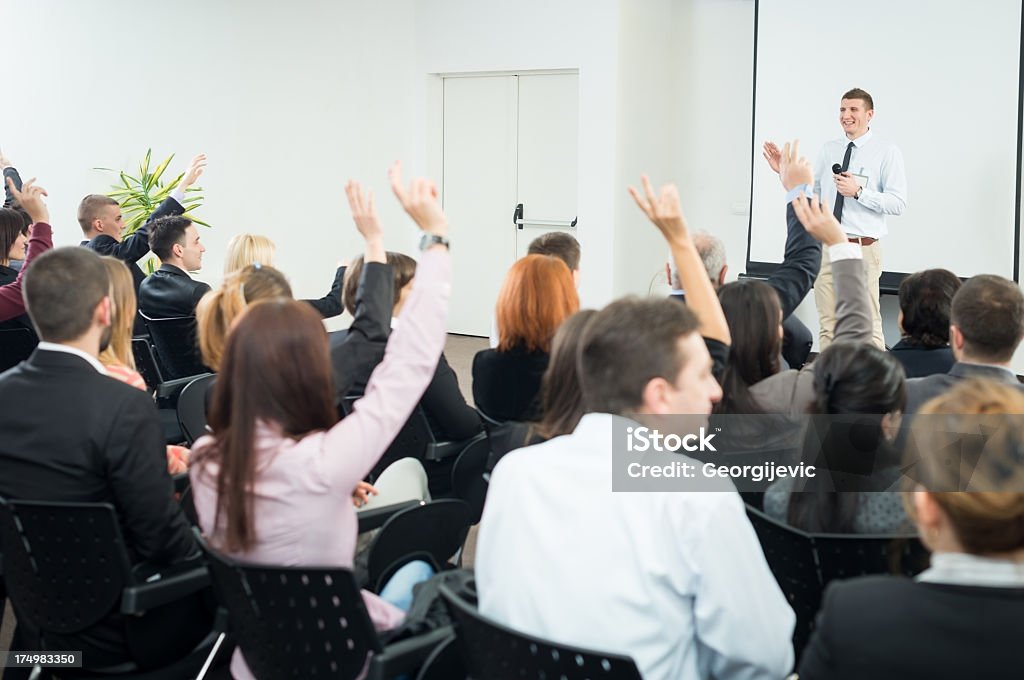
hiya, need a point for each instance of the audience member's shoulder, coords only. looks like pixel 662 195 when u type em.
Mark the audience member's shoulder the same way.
pixel 872 597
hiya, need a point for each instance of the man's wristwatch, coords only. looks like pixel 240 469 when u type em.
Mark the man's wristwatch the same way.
pixel 856 196
pixel 432 239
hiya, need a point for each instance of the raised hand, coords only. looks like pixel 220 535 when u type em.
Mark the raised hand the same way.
pixel 663 210
pixel 818 220
pixel 364 212
pixel 419 200
pixel 195 169
pixel 793 168
pixel 772 154
pixel 30 198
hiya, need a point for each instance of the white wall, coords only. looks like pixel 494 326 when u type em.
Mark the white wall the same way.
pixel 288 101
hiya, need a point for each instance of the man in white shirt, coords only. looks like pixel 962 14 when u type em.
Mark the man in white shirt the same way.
pixel 871 185
pixel 675 580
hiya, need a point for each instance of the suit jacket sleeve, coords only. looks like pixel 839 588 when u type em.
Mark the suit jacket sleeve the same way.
pixel 818 660
pixel 198 292
pixel 799 267
pixel 136 462
pixel 12 304
pixel 136 246
pixel 370 328
pixel 446 406
pixel 11 172
pixel 330 304
pixel 853 306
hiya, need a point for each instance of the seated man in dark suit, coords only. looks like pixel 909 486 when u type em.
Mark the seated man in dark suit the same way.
pixel 102 223
pixel 986 326
pixel 170 292
pixel 71 433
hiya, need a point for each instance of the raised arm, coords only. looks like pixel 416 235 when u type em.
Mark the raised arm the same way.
pixel 412 352
pixel 667 216
pixel 802 259
pixel 330 305
pixel 9 172
pixel 30 197
pixel 853 306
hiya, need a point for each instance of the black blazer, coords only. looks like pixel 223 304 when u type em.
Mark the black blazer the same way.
pixel 506 385
pixel 891 628
pixel 920 390
pixel 134 247
pixel 919 362
pixel 170 292
pixel 355 355
pixel 72 434
pixel 330 305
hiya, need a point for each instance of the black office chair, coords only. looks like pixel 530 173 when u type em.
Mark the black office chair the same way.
pixel 308 622
pixel 192 407
pixel 16 345
pixel 176 347
pixel 432 532
pixel 492 651
pixel 804 563
pixel 66 568
pixel 468 483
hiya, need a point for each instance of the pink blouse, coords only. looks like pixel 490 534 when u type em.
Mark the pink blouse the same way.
pixel 303 506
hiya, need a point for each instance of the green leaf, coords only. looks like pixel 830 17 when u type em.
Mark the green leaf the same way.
pixel 160 169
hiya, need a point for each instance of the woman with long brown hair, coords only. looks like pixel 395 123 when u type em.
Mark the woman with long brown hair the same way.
pixel 272 482
pixel 537 296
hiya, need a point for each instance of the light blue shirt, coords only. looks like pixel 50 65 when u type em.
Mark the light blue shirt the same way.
pixel 885 187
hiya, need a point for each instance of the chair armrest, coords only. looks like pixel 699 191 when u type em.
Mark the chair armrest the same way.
pixel 374 518
pixel 181 482
pixel 164 587
pixel 171 388
pixel 440 450
pixel 406 656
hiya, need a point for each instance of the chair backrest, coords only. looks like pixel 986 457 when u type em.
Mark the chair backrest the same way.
pixel 294 622
pixel 65 564
pixel 16 345
pixel 176 346
pixel 492 651
pixel 433 531
pixel 804 564
pixel 410 442
pixel 192 407
pixel 145 363
pixel 790 556
pixel 468 483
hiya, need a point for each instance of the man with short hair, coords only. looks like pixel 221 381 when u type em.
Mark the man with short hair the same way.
pixel 103 225
pixel 71 433
pixel 986 324
pixel 561 245
pixel 170 292
pixel 675 580
pixel 871 184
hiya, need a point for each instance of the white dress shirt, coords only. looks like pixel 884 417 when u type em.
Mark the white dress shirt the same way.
pixel 55 347
pixel 677 581
pixel 885 192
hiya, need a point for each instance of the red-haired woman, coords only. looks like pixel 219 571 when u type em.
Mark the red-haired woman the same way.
pixel 273 483
pixel 537 296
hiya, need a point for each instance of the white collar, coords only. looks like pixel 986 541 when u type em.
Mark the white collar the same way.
pixel 972 570
pixel 54 347
pixel 863 139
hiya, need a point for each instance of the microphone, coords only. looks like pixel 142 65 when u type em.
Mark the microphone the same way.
pixel 837 169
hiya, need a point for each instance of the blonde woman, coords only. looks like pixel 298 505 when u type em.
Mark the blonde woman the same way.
pixel 117 358
pixel 250 249
pixel 218 309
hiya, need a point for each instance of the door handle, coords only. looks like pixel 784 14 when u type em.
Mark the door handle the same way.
pixel 517 217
